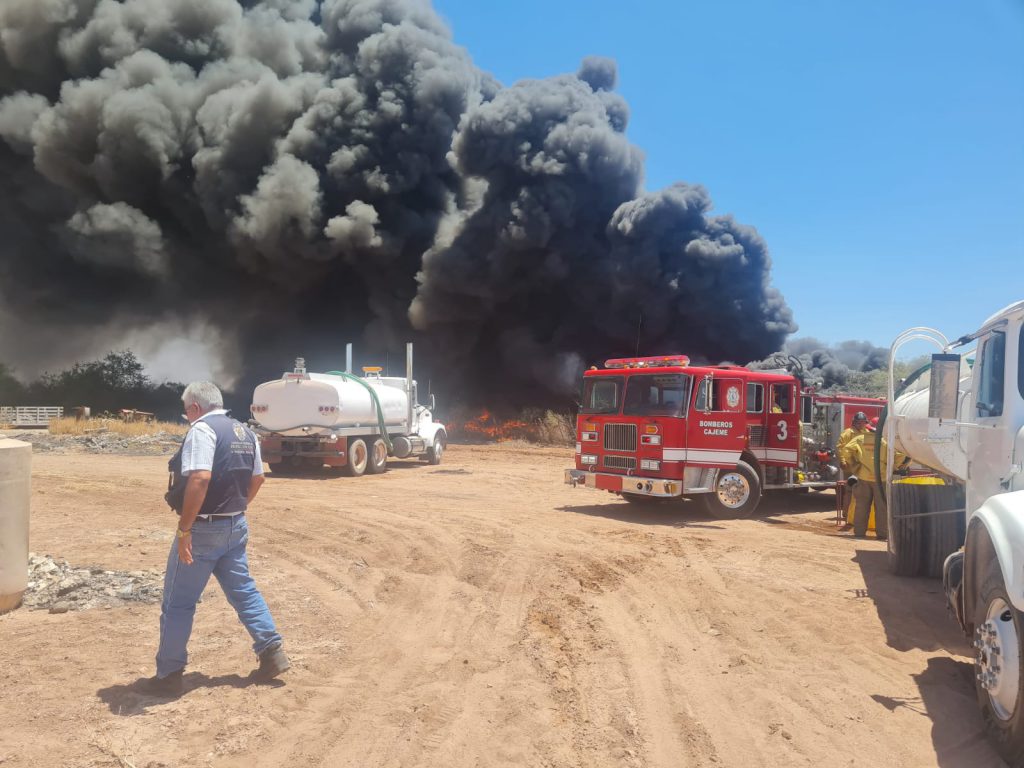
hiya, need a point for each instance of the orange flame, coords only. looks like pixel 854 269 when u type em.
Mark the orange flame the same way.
pixel 485 425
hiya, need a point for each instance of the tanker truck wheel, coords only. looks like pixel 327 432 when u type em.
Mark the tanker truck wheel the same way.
pixel 436 451
pixel 999 628
pixel 378 459
pixel 358 458
pixel 737 493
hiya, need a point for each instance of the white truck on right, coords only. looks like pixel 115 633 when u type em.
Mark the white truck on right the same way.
pixel 967 425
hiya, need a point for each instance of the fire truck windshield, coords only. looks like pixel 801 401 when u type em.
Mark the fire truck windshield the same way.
pixel 602 394
pixel 657 394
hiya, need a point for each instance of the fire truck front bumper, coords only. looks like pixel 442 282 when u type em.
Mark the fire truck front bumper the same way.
pixel 641 486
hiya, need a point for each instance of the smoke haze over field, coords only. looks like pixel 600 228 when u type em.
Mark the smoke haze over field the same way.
pixel 288 175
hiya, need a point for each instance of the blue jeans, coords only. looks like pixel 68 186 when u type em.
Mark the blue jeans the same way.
pixel 218 548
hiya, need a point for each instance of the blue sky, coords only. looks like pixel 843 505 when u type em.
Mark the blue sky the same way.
pixel 873 143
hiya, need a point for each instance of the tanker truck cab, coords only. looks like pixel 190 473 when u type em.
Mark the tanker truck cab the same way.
pixel 656 428
pixel 968 425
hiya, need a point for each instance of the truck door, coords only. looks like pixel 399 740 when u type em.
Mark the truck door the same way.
pixel 716 429
pixel 993 441
pixel 783 426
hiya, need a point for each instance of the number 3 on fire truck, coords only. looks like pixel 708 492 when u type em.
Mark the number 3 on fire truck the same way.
pixel 783 431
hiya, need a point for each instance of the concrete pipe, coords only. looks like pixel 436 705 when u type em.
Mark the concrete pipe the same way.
pixel 15 470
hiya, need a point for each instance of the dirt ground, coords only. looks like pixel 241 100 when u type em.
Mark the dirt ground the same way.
pixel 481 613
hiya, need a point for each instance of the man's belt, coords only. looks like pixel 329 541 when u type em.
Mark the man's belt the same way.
pixel 211 518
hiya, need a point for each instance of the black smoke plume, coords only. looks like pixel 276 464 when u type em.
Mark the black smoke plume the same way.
pixel 295 174
pixel 828 367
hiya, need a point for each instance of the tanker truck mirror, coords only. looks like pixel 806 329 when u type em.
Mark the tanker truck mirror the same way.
pixel 433 403
pixel 944 387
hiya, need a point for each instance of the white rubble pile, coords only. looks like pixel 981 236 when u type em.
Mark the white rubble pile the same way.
pixel 158 443
pixel 56 586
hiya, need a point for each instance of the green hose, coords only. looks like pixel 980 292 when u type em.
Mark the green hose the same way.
pixel 376 402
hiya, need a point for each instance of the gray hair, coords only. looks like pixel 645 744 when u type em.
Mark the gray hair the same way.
pixel 204 394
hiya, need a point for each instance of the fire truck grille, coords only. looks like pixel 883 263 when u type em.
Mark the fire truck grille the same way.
pixel 620 437
pixel 620 462
pixel 756 435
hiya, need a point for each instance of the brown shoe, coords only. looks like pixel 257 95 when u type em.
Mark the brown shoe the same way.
pixel 273 662
pixel 170 687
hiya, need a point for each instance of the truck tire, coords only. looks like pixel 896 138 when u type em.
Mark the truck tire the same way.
pixel 906 533
pixel 999 628
pixel 358 458
pixel 435 451
pixel 918 546
pixel 737 493
pixel 377 461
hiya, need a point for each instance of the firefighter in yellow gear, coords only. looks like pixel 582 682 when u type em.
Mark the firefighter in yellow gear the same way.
pixel 859 429
pixel 859 455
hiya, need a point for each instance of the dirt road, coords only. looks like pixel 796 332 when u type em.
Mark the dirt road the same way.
pixel 480 613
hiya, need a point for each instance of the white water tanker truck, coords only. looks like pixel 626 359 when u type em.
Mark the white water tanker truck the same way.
pixel 308 420
pixel 967 425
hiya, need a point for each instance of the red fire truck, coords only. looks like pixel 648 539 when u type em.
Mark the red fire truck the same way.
pixel 655 428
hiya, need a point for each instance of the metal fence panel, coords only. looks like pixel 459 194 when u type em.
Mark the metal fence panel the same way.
pixel 30 416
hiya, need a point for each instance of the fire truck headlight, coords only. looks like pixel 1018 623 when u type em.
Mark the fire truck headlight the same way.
pixel 588 437
pixel 650 439
pixel 588 458
pixel 650 464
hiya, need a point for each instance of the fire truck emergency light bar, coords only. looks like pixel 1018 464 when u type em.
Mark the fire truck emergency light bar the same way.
pixel 648 362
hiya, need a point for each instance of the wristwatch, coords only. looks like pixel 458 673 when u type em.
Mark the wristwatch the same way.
pixel 182 534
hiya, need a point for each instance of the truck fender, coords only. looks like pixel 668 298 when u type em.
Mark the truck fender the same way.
pixel 429 431
pixel 996 530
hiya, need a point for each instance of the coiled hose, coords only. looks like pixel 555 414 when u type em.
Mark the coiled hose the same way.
pixel 376 402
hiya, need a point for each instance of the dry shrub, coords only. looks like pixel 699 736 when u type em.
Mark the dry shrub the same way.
pixel 553 428
pixel 115 426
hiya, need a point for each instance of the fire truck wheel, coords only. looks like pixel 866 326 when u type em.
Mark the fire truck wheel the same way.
pixel 358 457
pixel 378 460
pixel 737 493
pixel 999 628
pixel 436 451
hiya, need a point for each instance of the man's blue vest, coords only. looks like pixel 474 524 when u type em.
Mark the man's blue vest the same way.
pixel 233 462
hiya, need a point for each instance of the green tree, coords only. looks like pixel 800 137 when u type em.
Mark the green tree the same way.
pixel 117 381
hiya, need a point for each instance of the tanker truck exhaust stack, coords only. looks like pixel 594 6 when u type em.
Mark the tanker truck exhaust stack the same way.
pixel 307 420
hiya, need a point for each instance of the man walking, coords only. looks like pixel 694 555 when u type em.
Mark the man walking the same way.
pixel 223 470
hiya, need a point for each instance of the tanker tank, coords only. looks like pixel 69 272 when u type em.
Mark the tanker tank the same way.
pixel 914 434
pixel 320 403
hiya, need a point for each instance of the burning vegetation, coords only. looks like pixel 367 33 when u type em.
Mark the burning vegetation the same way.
pixel 533 425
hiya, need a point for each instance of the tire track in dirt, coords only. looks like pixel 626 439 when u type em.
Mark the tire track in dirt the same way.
pixel 464 562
